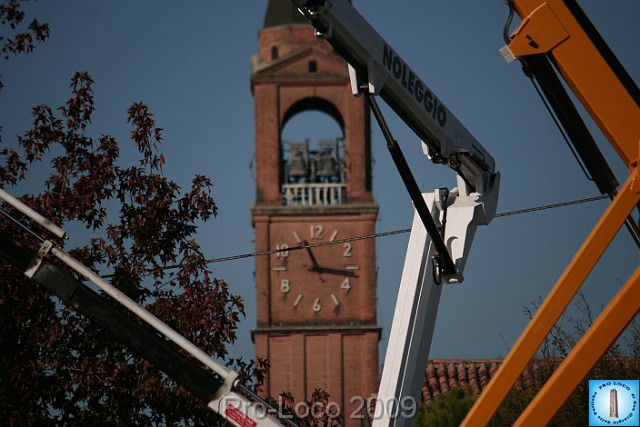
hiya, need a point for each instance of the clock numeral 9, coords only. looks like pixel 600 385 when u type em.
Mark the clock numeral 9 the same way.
pixel 285 285
pixel 316 305
pixel 316 232
pixel 282 250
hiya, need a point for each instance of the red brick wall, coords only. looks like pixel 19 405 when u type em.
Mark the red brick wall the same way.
pixel 288 39
pixel 345 364
pixel 334 348
pixel 361 380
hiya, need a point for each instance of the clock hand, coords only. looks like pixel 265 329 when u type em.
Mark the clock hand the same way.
pixel 338 272
pixel 315 267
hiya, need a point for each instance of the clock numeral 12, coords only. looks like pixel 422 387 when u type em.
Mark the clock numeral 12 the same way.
pixel 316 231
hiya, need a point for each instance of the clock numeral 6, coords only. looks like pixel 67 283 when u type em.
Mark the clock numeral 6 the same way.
pixel 282 251
pixel 316 305
pixel 285 285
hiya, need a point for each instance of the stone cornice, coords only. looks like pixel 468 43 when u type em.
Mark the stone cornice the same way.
pixel 275 330
pixel 346 209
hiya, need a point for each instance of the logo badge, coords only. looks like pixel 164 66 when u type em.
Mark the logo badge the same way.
pixel 613 403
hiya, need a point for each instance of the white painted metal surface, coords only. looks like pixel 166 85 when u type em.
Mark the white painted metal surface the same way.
pixel 412 330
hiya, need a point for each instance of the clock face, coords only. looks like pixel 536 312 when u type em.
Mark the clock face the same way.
pixel 316 280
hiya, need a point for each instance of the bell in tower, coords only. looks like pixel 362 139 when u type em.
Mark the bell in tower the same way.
pixel 327 163
pixel 298 164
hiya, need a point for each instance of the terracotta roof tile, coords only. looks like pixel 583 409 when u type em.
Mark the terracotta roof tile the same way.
pixel 443 375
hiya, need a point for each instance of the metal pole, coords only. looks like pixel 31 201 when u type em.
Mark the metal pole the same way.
pixel 411 332
pixel 35 216
pixel 142 313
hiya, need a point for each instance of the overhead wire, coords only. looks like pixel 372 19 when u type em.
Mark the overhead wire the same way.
pixel 355 238
pixel 387 233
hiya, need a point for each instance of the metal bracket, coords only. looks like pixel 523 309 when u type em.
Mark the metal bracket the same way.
pixel 325 34
pixel 227 385
pixel 224 391
pixel 540 32
pixel 35 263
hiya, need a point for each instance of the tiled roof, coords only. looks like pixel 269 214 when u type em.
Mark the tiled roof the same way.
pixel 443 375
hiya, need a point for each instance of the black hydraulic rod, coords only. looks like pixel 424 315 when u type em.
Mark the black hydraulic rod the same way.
pixel 540 68
pixel 445 263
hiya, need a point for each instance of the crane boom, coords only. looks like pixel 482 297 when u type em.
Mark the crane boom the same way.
pixel 376 68
pixel 208 380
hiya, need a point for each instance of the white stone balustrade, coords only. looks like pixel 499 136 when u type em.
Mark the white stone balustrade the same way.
pixel 314 194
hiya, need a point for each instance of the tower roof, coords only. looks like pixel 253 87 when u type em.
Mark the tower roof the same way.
pixel 282 12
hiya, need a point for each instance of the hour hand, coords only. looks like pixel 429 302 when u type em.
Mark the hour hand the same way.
pixel 315 267
pixel 338 272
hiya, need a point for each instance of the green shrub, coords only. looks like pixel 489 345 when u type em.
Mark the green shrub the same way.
pixel 446 410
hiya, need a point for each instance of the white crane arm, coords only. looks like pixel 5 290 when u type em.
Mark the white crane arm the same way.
pixel 376 68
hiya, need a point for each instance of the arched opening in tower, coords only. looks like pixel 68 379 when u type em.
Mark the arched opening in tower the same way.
pixel 313 155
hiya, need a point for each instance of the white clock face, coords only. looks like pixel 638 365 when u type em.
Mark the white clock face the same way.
pixel 316 279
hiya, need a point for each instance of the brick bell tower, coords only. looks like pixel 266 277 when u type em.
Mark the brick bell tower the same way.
pixel 316 307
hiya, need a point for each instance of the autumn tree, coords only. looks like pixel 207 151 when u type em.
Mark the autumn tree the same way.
pixel 20 38
pixel 56 365
pixel 58 368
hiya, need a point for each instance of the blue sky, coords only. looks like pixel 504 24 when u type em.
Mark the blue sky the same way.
pixel 190 63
